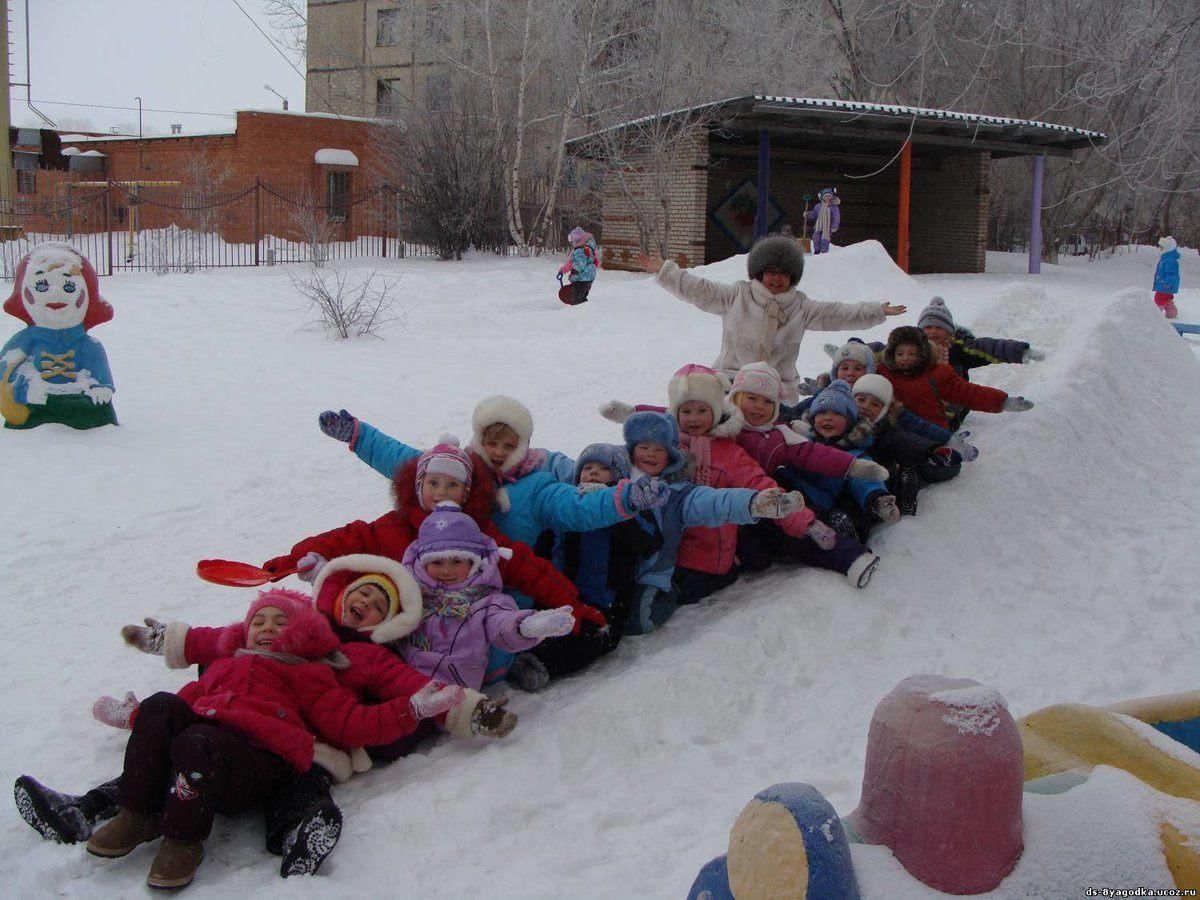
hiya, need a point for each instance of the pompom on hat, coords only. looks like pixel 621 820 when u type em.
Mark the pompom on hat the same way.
pixel 936 313
pixel 775 251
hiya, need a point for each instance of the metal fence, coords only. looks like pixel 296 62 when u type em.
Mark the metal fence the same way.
pixel 123 226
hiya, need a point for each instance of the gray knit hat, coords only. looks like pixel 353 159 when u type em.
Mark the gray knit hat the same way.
pixel 776 251
pixel 937 314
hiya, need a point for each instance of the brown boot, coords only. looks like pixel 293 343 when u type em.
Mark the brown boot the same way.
pixel 175 865
pixel 122 833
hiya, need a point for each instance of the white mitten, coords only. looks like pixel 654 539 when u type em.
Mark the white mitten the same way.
pixel 1017 404
pixel 868 470
pixel 309 566
pixel 434 699
pixel 547 623
pixel 773 503
pixel 100 394
pixel 616 411
pixel 886 509
pixel 802 427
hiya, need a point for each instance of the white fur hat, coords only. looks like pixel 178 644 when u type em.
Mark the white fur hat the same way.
pixel 1167 244
pixel 512 413
pixel 340 570
pixel 699 383
pixel 875 386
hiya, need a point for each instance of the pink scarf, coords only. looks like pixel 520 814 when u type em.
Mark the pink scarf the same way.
pixel 534 460
pixel 700 448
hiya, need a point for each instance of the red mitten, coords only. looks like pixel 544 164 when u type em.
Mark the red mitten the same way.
pixel 279 564
pixel 586 612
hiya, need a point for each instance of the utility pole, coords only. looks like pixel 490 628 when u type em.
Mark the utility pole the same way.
pixel 6 174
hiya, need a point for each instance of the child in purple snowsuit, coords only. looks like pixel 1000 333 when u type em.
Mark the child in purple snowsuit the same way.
pixel 825 219
pixel 465 611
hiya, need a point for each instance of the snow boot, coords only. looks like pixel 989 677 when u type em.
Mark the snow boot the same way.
pixel 839 520
pixel 1170 309
pixel 528 673
pixel 908 484
pixel 307 845
pixel 176 864
pixel 862 569
pixel 119 835
pixel 64 818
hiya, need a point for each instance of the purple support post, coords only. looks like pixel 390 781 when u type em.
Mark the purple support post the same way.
pixel 1035 217
pixel 764 182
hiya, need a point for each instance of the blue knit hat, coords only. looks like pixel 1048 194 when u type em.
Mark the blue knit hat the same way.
pixel 835 399
pixel 856 350
pixel 655 428
pixel 612 456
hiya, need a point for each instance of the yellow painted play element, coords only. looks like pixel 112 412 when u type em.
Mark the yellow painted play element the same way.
pixel 1072 737
pixel 766 858
pixel 1183 857
pixel 1163 708
pixel 12 411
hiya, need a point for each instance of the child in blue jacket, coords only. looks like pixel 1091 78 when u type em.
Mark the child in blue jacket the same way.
pixel 1166 277
pixel 851 506
pixel 652 441
pixel 581 264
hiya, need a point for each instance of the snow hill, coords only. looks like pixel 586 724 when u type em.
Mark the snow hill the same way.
pixel 1062 566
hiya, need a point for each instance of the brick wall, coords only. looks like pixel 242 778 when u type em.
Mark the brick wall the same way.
pixel 630 213
pixel 948 219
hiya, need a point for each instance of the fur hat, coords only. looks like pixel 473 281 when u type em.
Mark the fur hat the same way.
pixel 758 378
pixel 907 334
pixel 835 399
pixel 612 456
pixel 1167 244
pixel 508 411
pixel 307 635
pixel 875 386
pixel 655 428
pixel 449 533
pixel 341 573
pixel 445 458
pixel 697 383
pixel 776 251
pixel 937 314
pixel 856 350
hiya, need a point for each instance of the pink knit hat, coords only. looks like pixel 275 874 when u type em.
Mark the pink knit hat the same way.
pixel 444 458
pixel 696 383
pixel 307 634
pixel 758 378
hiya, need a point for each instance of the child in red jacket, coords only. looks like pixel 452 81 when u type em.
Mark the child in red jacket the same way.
pixel 927 388
pixel 225 742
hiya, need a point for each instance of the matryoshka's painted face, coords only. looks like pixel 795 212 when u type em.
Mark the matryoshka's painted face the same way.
pixel 54 291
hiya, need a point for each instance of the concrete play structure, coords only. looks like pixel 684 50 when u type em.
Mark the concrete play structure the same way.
pixel 947 775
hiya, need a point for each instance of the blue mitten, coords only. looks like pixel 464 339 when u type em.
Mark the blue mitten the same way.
pixel 646 493
pixel 341 426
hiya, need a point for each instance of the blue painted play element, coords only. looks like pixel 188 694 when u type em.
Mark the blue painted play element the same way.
pixel 1186 731
pixel 1185 328
pixel 712 883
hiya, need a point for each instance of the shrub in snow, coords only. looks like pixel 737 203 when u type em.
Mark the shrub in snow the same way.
pixel 348 305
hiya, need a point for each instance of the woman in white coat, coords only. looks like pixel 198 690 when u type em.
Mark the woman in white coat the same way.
pixel 764 319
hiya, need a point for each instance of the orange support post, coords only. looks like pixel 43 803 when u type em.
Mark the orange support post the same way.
pixel 905 190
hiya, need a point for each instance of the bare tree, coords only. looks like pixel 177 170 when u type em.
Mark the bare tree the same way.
pixel 348 305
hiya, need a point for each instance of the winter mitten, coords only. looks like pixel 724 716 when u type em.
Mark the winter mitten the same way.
pixel 589 486
pixel 773 503
pixel 491 719
pixel 868 470
pixel 1017 404
pixel 822 535
pixel 114 712
pixel 340 426
pixel 585 612
pixel 547 623
pixel 528 673
pixel 565 268
pixel 647 493
pixel 886 509
pixel 616 411
pixel 809 387
pixel 434 699
pixel 802 427
pixel 148 639
pixel 1032 355
pixel 100 394
pixel 959 444
pixel 309 566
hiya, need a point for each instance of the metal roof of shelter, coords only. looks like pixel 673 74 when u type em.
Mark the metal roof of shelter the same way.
pixel 874 125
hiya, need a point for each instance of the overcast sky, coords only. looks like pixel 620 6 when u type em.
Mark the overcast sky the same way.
pixel 193 56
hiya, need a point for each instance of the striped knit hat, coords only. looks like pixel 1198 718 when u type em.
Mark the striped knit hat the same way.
pixel 444 458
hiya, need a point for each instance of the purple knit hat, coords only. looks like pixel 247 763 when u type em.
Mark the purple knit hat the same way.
pixel 578 234
pixel 450 532
pixel 445 458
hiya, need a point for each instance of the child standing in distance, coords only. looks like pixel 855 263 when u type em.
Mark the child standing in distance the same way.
pixel 825 218
pixel 927 387
pixel 756 392
pixel 765 318
pixel 1166 277
pixel 581 264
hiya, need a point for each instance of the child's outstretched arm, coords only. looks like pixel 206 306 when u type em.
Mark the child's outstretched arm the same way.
pixel 380 451
pixel 503 621
pixel 960 392
pixel 356 537
pixel 559 507
pixel 711 296
pixel 710 507
pixel 987 351
pixel 178 643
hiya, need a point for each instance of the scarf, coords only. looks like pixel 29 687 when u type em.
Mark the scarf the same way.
pixel 532 461
pixel 823 216
pixel 452 602
pixel 700 448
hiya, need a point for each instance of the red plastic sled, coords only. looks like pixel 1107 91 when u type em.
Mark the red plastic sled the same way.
pixel 566 294
pixel 237 574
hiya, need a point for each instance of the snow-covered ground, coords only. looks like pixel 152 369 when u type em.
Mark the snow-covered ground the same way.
pixel 1062 566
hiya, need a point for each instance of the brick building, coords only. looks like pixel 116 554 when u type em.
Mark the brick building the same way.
pixel 927 204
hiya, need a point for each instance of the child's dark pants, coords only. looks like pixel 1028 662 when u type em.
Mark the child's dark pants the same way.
pixel 761 544
pixel 186 769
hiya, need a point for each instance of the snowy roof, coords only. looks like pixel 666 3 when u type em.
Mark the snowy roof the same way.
pixel 331 157
pixel 91 153
pixel 1003 135
pixel 70 151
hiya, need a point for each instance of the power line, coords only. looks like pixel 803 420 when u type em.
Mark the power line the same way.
pixel 182 112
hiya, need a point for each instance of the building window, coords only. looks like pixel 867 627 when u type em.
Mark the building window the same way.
pixel 387 28
pixel 26 181
pixel 337 195
pixel 437 92
pixel 437 24
pixel 389 92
